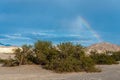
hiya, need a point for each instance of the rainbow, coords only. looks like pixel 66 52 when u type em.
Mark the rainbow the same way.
pixel 86 24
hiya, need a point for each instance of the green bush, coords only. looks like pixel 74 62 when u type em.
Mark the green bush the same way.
pixel 1 60
pixel 10 63
pixel 103 58
pixel 116 56
pixel 23 56
pixel 42 51
pixel 65 57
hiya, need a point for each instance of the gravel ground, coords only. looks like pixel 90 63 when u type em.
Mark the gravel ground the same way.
pixel 34 72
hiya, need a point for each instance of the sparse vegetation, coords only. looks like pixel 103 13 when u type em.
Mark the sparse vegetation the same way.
pixel 103 58
pixel 116 55
pixel 23 56
pixel 2 60
pixel 64 57
pixel 70 58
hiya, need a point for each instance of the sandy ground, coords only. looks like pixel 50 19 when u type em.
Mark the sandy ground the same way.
pixel 34 72
pixel 6 55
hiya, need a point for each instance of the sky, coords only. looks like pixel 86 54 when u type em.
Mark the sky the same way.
pixel 79 21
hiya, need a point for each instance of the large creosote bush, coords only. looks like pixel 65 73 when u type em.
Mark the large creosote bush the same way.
pixel 65 57
pixel 42 51
pixel 103 58
pixel 116 56
pixel 23 56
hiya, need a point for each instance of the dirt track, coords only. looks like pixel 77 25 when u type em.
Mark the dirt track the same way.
pixel 34 72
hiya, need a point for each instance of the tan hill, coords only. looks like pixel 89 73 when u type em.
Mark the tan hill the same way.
pixel 103 47
pixel 7 51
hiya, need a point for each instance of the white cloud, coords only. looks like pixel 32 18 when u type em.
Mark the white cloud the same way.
pixel 16 36
pixel 45 34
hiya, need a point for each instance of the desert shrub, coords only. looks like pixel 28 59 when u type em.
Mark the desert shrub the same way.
pixel 65 57
pixel 103 58
pixel 24 55
pixel 42 51
pixel 1 60
pixel 72 65
pixel 10 62
pixel 116 55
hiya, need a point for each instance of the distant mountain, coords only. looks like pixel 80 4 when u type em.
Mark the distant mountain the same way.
pixel 1 44
pixel 103 47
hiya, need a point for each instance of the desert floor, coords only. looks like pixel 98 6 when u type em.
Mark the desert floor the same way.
pixel 35 72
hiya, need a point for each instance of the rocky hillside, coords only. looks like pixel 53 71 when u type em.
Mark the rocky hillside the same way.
pixel 103 47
